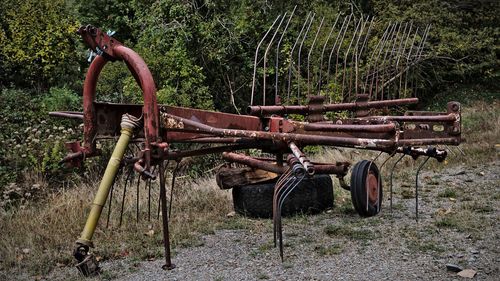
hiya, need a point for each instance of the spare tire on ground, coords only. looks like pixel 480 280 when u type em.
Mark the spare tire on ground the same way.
pixel 312 195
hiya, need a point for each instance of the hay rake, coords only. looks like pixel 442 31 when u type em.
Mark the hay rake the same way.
pixel 331 74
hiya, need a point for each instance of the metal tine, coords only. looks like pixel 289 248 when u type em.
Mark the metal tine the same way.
pixel 323 53
pixel 408 59
pixel 421 44
pixel 174 175
pixel 380 68
pixel 404 68
pixel 159 197
pixel 370 61
pixel 354 57
pixel 416 186
pixel 282 181
pixel 149 194
pixel 393 68
pixel 449 149
pixel 124 193
pixel 417 55
pixel 392 173
pixel 379 180
pixel 394 62
pixel 299 74
pixel 281 200
pixel 277 100
pixel 369 167
pixel 110 202
pixel 461 151
pixel 137 198
pixel 277 187
pixel 265 59
pixel 387 61
pixel 166 235
pixel 256 57
pixel 365 41
pixel 276 214
pixel 291 55
pixel 383 41
pixel 343 32
pixel 346 55
pixel 309 56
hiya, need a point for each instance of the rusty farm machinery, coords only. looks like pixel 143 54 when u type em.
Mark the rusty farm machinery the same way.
pixel 314 83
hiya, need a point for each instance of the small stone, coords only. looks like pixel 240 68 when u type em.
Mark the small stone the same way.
pixel 231 214
pixel 481 173
pixel 475 252
pixel 26 251
pixel 453 267
pixel 467 273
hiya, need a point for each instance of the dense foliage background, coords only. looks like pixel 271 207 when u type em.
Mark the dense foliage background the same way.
pixel 198 51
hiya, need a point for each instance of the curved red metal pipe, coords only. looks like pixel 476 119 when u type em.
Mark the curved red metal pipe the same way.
pixel 143 76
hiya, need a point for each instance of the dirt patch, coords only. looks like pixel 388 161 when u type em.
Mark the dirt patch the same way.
pixel 459 211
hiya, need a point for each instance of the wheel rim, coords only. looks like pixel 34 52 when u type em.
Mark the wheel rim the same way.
pixel 372 187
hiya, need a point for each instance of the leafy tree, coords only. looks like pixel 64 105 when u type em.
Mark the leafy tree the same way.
pixel 37 43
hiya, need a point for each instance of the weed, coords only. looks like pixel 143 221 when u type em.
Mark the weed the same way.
pixel 329 250
pixel 348 232
pixel 447 193
pixel 262 276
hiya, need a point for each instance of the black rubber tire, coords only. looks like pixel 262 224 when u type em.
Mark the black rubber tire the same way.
pixel 359 176
pixel 312 195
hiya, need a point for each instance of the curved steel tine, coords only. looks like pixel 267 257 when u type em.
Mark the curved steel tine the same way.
pixel 378 49
pixel 291 54
pixel 149 194
pixel 137 198
pixel 404 68
pixel 110 201
pixel 389 51
pixel 358 25
pixel 354 57
pixel 166 235
pixel 343 32
pixel 276 210
pixel 380 67
pixel 416 186
pixel 408 59
pixel 265 59
pixel 280 204
pixel 277 187
pixel 299 75
pixel 277 100
pixel 379 180
pixel 309 56
pixel 369 167
pixel 323 53
pixel 461 151
pixel 159 197
pixel 256 57
pixel 124 193
pixel 174 175
pixel 365 41
pixel 449 149
pixel 392 173
pixel 391 62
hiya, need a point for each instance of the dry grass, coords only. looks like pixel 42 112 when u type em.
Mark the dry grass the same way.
pixel 41 235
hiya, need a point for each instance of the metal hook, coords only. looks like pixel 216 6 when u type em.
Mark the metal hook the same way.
pixel 416 187
pixel 392 173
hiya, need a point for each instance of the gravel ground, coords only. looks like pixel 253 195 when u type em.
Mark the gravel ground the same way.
pixel 461 230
